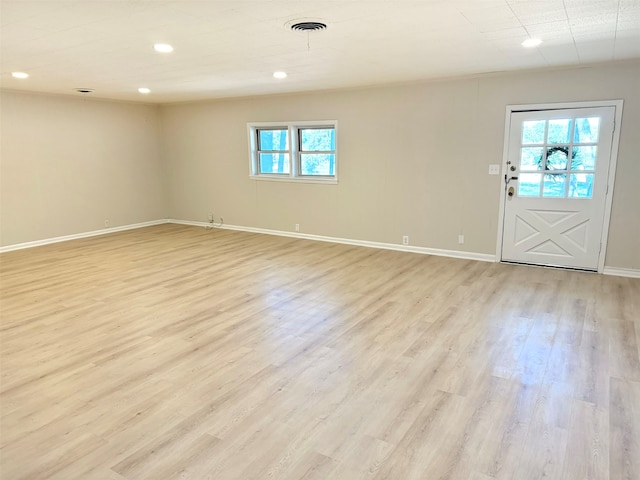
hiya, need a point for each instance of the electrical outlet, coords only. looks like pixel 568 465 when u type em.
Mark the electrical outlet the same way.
pixel 107 223
pixel 460 239
pixel 494 169
pixel 210 217
pixel 297 227
pixel 405 239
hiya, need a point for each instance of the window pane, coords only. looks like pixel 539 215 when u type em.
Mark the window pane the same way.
pixel 557 158
pixel 533 131
pixel 529 185
pixel 274 163
pixel 587 130
pixel 317 139
pixel 554 185
pixel 531 158
pixel 584 158
pixel 559 130
pixel 317 164
pixel 273 139
pixel 581 185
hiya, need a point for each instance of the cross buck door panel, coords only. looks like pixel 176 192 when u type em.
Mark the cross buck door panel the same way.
pixel 556 181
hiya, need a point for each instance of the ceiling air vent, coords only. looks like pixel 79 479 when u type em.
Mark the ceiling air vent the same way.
pixel 84 90
pixel 308 26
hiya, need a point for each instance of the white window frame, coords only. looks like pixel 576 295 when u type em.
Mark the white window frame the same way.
pixel 294 174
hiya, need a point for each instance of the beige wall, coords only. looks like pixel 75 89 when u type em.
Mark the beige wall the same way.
pixel 413 159
pixel 68 164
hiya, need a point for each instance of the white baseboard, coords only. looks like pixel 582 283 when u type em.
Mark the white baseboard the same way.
pixel 75 236
pixel 621 272
pixel 483 257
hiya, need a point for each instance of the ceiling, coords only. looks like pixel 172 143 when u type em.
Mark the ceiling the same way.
pixel 232 48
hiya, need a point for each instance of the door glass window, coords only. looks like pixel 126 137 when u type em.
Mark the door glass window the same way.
pixel 529 185
pixel 564 151
pixel 581 185
pixel 530 158
pixel 554 185
pixel 557 158
pixel 584 158
pixel 559 130
pixel 533 132
pixel 587 130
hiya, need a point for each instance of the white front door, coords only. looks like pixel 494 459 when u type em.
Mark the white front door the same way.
pixel 556 183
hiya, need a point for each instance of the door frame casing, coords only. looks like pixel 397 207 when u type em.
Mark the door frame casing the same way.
pixel 611 174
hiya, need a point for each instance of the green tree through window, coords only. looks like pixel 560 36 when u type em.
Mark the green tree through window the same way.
pixel 300 151
pixel 317 151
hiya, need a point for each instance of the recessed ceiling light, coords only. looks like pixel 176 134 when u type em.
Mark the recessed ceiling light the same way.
pixel 163 48
pixel 19 75
pixel 280 75
pixel 531 42
pixel 144 90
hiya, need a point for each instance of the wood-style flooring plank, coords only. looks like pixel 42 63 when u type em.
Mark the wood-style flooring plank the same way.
pixel 178 352
pixel 624 418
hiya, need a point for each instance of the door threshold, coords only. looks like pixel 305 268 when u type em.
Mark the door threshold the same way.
pixel 555 267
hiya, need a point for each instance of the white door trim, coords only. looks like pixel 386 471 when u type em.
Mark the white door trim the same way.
pixel 612 164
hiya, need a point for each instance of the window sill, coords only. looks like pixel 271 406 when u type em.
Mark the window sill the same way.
pixel 267 178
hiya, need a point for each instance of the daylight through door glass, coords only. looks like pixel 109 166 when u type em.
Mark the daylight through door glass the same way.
pixel 558 157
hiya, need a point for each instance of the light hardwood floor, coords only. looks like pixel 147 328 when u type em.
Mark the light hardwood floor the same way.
pixel 177 352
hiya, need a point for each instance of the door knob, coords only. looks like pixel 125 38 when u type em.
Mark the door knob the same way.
pixel 511 191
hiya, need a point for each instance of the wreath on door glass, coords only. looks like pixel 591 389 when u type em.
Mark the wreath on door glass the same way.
pixel 552 151
pixel 576 164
